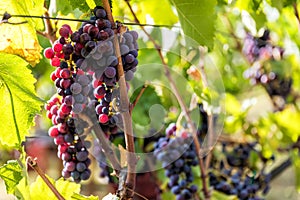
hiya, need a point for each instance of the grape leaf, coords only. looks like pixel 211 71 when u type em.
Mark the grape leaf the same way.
pixel 21 39
pixel 39 189
pixel 11 173
pixel 197 18
pixel 84 6
pixel 18 102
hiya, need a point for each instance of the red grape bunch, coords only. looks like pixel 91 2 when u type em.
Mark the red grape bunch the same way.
pixel 86 75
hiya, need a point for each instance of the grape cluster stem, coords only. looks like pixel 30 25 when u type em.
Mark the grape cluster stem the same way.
pixel 181 103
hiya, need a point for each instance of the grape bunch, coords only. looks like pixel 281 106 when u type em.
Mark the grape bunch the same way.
pixel 177 154
pixel 258 50
pixel 67 131
pixel 86 75
pixel 261 54
pixel 235 183
pixel 232 175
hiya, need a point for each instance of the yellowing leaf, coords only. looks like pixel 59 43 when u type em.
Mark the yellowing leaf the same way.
pixel 39 190
pixel 18 102
pixel 67 188
pixel 21 39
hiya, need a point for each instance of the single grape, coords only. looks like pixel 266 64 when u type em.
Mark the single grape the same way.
pixel 75 175
pixel 53 131
pixel 129 58
pixel 55 62
pixel 100 13
pixel 85 175
pixel 103 118
pixel 80 167
pixel 110 72
pixel 82 155
pixel 64 32
pixel 76 88
pixel 49 53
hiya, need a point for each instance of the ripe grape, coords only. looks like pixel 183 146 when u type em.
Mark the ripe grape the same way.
pixel 57 47
pixel 110 72
pixel 55 62
pixel 49 53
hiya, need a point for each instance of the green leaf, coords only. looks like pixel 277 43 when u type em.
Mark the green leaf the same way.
pixel 197 18
pixel 81 5
pixel 76 196
pixel 11 173
pixel 18 99
pixel 159 10
pixel 21 39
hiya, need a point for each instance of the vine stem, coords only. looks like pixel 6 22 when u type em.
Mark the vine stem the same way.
pixel 125 113
pixel 281 168
pixel 181 103
pixel 138 97
pixel 33 164
pixel 49 32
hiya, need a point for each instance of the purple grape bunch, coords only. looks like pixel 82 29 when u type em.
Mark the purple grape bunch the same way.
pixel 177 154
